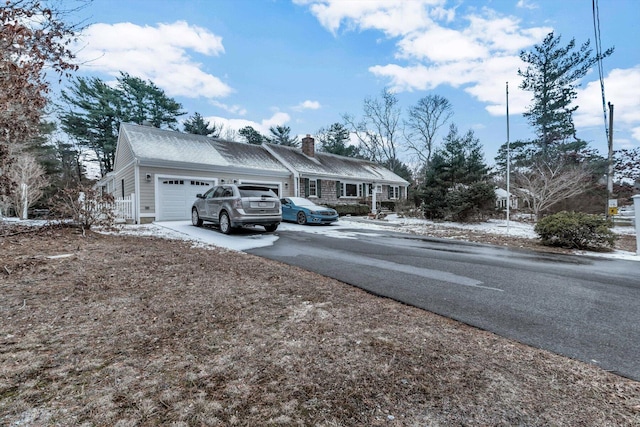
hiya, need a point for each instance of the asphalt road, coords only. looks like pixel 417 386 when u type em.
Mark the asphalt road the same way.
pixel 581 307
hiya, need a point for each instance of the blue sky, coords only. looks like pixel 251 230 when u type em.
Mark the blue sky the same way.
pixel 304 63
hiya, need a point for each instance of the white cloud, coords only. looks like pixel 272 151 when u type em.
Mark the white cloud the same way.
pixel 160 54
pixel 234 109
pixel 278 118
pixel 439 44
pixel 393 17
pixel 526 4
pixel 622 89
pixel 307 105
pixel 478 51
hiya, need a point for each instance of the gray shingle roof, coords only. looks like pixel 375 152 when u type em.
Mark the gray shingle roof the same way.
pixel 157 145
pixel 335 167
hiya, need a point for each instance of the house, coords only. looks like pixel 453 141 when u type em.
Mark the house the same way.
pixel 501 199
pixel 162 171
pixel 331 179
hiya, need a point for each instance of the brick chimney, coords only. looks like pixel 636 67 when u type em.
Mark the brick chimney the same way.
pixel 308 146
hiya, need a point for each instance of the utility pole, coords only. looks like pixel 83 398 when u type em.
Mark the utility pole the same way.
pixel 508 163
pixel 612 204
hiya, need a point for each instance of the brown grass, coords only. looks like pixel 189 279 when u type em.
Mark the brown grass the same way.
pixel 126 331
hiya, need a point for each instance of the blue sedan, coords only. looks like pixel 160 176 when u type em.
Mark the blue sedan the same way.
pixel 303 211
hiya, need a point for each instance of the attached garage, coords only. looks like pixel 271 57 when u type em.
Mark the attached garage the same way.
pixel 176 195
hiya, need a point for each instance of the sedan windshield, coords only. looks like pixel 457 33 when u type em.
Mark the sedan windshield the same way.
pixel 301 201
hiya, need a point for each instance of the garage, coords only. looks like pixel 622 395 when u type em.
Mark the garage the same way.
pixel 176 195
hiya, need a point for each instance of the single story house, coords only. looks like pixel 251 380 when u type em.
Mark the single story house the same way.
pixel 501 199
pixel 161 171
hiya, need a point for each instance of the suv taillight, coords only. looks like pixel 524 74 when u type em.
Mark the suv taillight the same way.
pixel 237 204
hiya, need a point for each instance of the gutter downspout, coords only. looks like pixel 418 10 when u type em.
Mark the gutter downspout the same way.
pixel 136 187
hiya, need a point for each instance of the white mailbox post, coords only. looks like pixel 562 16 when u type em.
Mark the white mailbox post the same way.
pixel 636 223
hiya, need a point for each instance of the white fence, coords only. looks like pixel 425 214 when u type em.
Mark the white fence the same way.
pixel 123 207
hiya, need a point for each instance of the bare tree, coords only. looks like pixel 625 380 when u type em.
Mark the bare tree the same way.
pixel 228 133
pixel 30 180
pixel 378 131
pixel 547 182
pixel 425 119
pixel 34 39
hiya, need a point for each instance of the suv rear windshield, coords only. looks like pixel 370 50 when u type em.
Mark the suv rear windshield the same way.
pixel 256 192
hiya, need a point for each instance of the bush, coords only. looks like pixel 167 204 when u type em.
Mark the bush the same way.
pixel 357 210
pixel 388 204
pixel 86 207
pixel 475 202
pixel 575 230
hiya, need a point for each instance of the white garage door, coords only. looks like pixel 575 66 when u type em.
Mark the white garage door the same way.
pixel 177 195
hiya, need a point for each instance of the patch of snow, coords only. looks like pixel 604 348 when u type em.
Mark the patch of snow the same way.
pixel 345 228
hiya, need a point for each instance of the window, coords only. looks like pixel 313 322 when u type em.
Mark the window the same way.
pixel 394 192
pixel 206 184
pixel 350 190
pixel 313 188
pixel 173 181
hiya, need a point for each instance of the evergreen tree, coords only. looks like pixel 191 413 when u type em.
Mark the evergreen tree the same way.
pixel 281 135
pixel 143 101
pixel 552 74
pixel 198 126
pixel 457 181
pixel 335 140
pixel 92 112
pixel 399 168
pixel 252 136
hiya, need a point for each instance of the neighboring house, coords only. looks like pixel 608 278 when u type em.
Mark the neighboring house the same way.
pixel 501 199
pixel 163 170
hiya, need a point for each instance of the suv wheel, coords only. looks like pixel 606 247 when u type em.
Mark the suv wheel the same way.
pixel 271 228
pixel 195 218
pixel 225 223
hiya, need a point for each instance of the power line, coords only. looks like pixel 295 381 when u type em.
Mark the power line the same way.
pixel 596 29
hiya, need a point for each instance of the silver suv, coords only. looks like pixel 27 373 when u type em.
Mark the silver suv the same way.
pixel 232 206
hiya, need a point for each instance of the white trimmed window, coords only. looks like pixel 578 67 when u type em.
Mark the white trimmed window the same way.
pixel 394 192
pixel 313 188
pixel 350 189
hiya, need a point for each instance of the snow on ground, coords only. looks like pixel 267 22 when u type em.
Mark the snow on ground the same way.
pixel 345 228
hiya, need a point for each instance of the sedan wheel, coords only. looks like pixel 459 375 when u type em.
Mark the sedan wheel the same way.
pixel 302 218
pixel 225 223
pixel 195 218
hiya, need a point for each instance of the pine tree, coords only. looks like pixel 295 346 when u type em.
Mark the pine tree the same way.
pixel 92 111
pixel 281 135
pixel 252 136
pixel 552 74
pixel 335 140
pixel 197 125
pixel 456 182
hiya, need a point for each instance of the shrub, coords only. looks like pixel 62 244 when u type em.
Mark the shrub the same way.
pixel 388 204
pixel 85 206
pixel 575 230
pixel 356 210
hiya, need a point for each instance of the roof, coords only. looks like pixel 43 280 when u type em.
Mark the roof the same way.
pixel 326 165
pixel 159 146
pixel 153 146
